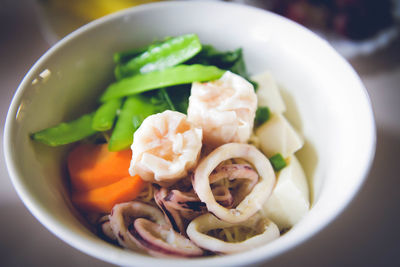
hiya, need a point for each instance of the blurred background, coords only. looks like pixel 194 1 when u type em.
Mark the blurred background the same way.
pixel 365 32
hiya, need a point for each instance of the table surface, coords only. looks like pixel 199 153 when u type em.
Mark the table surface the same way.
pixel 365 234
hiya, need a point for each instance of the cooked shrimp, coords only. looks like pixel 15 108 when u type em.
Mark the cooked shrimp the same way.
pixel 224 109
pixel 165 147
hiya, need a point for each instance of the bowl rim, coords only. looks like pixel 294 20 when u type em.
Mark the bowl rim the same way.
pixel 55 226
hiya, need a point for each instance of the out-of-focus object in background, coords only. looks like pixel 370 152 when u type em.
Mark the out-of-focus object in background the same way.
pixel 60 17
pixel 354 19
pixel 353 27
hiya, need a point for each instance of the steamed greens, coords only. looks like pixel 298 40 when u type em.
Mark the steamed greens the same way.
pixel 148 80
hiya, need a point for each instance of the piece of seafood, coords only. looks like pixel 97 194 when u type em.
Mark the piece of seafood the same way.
pixel 263 231
pixel 254 200
pixel 180 207
pixel 161 241
pixel 104 226
pixel 165 147
pixel 224 109
pixel 232 172
pixel 124 214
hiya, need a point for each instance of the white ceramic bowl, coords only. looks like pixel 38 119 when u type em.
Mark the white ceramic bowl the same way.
pixel 333 113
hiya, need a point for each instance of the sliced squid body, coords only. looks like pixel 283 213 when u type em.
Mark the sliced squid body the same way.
pixel 259 194
pixel 105 228
pixel 161 241
pixel 124 214
pixel 165 147
pixel 277 135
pixel 224 109
pixel 199 227
pixel 268 93
pixel 289 201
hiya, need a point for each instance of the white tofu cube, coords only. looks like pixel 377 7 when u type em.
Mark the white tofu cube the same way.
pixel 289 201
pixel 278 136
pixel 268 94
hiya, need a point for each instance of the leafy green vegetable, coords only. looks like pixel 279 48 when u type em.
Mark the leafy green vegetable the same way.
pixel 104 117
pixel 179 95
pixel 160 56
pixel 210 56
pixel 181 74
pixel 277 162
pixel 141 71
pixel 262 115
pixel 229 60
pixel 66 132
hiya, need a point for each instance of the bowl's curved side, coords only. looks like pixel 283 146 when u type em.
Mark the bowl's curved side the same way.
pixel 333 105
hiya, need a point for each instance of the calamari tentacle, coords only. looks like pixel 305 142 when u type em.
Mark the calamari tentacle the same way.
pixel 178 206
pixel 236 171
pixel 223 196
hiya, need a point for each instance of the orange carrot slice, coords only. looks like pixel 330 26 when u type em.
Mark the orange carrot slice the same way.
pixel 104 198
pixel 91 166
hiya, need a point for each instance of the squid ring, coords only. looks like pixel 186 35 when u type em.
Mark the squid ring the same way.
pixel 198 228
pixel 254 200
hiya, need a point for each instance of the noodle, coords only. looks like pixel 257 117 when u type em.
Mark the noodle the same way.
pixel 234 234
pixel 147 194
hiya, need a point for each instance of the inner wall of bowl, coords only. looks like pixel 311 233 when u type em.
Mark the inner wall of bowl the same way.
pixel 81 67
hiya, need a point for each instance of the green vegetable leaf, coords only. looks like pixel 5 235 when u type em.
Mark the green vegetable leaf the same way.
pixel 211 56
pixel 179 95
pixel 229 60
